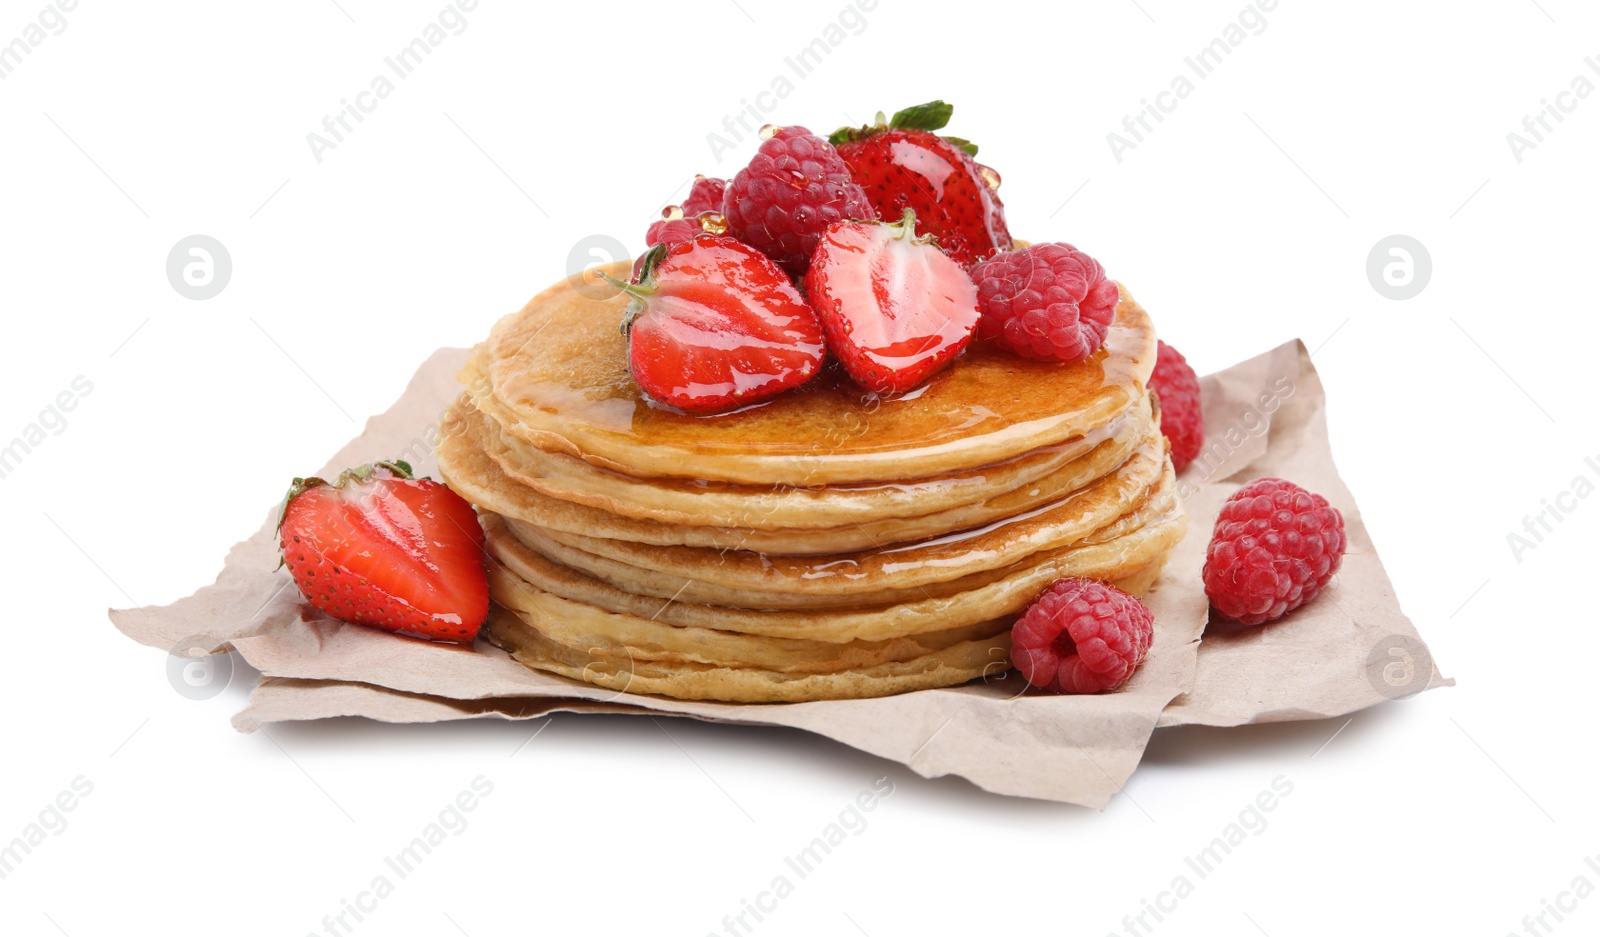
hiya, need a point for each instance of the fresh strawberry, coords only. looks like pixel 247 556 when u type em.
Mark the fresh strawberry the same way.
pixel 895 308
pixel 378 547
pixel 715 325
pixel 902 163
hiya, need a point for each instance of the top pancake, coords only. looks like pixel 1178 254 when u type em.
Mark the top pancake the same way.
pixel 557 372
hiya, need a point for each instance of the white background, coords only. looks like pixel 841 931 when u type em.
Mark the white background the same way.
pixel 1244 220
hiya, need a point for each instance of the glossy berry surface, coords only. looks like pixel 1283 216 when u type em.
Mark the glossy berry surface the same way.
pixel 794 188
pixel 705 194
pixel 1178 388
pixel 894 307
pixel 715 325
pixel 1274 548
pixel 377 547
pixel 1081 636
pixel 903 164
pixel 1050 302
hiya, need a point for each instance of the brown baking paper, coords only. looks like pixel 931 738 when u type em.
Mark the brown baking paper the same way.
pixel 1073 749
pixel 1351 647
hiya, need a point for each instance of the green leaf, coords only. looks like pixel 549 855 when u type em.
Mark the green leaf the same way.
pixel 844 135
pixel 970 148
pixel 931 116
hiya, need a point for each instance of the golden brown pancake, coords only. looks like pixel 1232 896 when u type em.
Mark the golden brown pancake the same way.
pixel 602 632
pixel 955 665
pixel 699 502
pixel 470 470
pixel 1131 563
pixel 861 577
pixel 583 643
pixel 673 588
pixel 558 372
pixel 1124 560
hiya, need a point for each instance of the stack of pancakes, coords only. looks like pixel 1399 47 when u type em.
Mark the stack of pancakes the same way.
pixel 828 543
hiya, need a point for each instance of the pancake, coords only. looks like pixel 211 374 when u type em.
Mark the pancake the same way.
pixel 861 577
pixel 558 368
pixel 827 543
pixel 601 632
pixel 712 666
pixel 784 507
pixel 470 470
pixel 952 666
pixel 1131 561
pixel 666 586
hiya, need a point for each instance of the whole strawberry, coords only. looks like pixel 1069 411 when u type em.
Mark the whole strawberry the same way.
pixel 1274 548
pixel 715 325
pixel 1050 302
pixel 894 307
pixel 378 547
pixel 792 190
pixel 903 164
pixel 1175 383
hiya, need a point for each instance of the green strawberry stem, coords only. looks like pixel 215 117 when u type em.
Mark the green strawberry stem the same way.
pixel 638 293
pixel 930 117
pixel 396 468
pixel 641 290
pixel 635 290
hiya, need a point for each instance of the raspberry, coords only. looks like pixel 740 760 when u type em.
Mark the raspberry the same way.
pixel 1049 301
pixel 681 223
pixel 792 190
pixel 1179 389
pixel 1274 547
pixel 1081 636
pixel 704 195
pixel 673 231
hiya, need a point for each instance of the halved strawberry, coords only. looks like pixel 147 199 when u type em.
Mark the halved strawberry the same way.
pixel 894 307
pixel 378 547
pixel 715 325
pixel 902 163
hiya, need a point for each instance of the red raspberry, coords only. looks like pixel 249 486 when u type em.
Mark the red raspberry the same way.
pixel 792 190
pixel 704 195
pixel 672 231
pixel 1179 389
pixel 1081 636
pixel 1049 301
pixel 1274 547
